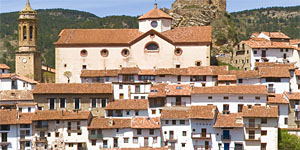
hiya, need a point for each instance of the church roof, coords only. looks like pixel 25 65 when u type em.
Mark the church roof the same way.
pixel 155 14
pixel 117 37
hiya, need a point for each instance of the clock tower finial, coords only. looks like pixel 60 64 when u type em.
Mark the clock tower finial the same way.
pixel 28 58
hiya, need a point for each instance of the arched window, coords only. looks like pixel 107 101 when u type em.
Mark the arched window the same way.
pixel 104 53
pixel 125 52
pixel 30 32
pixel 83 53
pixel 24 33
pixel 152 46
pixel 178 51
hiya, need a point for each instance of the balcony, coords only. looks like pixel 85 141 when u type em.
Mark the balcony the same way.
pixel 77 130
pixel 202 147
pixel 23 138
pixel 252 126
pixel 271 90
pixel 41 127
pixel 95 136
pixel 178 104
pixel 4 142
pixel 251 138
pixel 226 137
pixel 40 139
pixel 201 136
pixel 171 138
pixel 297 108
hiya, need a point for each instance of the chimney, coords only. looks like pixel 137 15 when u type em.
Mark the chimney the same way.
pixel 155 5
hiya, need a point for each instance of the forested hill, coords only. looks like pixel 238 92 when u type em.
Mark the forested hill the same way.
pixel 285 19
pixel 52 21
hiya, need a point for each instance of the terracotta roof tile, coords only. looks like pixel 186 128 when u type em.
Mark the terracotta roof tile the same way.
pixel 155 14
pixel 290 66
pixel 109 123
pixel 147 72
pixel 229 120
pixel 178 90
pixel 279 72
pixel 292 95
pixel 145 122
pixel 26 104
pixel 73 88
pixel 295 41
pixel 11 95
pixel 4 66
pixel 157 90
pixel 179 35
pixel 6 75
pixel 237 89
pixel 99 73
pixel 103 37
pixel 266 44
pixel 25 118
pixel 194 112
pixel 61 115
pixel 136 104
pixel 277 99
pixel 260 111
pixel 279 35
pixel 14 76
pixel 146 148
pixel 129 70
pixel 243 73
pixel 226 77
pixel 11 117
pixel 175 113
pixel 297 72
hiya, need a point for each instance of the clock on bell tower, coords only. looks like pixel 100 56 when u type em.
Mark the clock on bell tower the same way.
pixel 28 58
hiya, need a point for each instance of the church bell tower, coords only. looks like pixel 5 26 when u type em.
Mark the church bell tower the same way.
pixel 28 58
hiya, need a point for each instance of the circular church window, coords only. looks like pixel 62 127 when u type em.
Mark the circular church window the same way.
pixel 104 53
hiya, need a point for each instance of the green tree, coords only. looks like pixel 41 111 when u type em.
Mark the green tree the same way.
pixel 288 141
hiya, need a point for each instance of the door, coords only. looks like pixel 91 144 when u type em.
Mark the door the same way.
pixel 203 132
pixel 263 53
pixel 172 146
pixel 52 104
pixel 252 122
pixel 79 147
pixel 171 134
pixel 146 142
pixel 4 137
pixel 206 145
pixel 178 101
pixel 226 146
pixel 103 102
pixel 77 103
pixel 115 142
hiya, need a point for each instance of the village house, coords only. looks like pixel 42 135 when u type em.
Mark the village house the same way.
pixel 73 96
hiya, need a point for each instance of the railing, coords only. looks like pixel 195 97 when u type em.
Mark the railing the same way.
pixel 202 147
pixel 41 139
pixel 253 126
pixel 41 127
pixel 226 137
pixel 271 90
pixel 171 138
pixel 95 136
pixel 251 137
pixel 201 135
pixel 178 104
pixel 74 130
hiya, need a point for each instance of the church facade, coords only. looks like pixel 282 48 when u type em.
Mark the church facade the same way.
pixel 153 45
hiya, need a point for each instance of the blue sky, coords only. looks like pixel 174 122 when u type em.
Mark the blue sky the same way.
pixel 129 7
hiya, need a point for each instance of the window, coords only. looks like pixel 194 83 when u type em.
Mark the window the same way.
pixel 103 102
pixel 182 144
pixel 56 134
pixel 264 132
pixel 182 121
pixel 69 134
pixel 125 52
pixel 285 121
pixel 178 78
pixel 137 89
pixel 143 97
pixel 178 51
pixel 52 103
pixel 139 131
pixel 154 24
pixel 240 80
pixel 120 86
pixel 135 140
pixel 127 112
pixel 227 83
pixel 27 144
pixel 174 122
pixel 93 132
pixel 69 125
pixel 136 97
pixel 273 79
pixel 29 109
pixel 281 50
pixel 93 142
pixel 209 97
pixel 57 122
pixel 151 131
pixel 198 63
pixel 126 140
pixel 83 53
pixel 83 66
pixel 25 126
pixel 71 145
pixel 256 60
pixel 153 112
pixel 104 143
pixel 226 109
pixel 20 109
pixel 104 53
pixel 225 97
pixel 257 97
pixel 65 65
pixel 183 133
pixel 94 102
pixel 77 103
pixel 136 112
pixel 254 52
pixel 49 134
pixel 167 121
pixel 240 107
pixel 62 103
pixel 263 146
pixel 264 120
pixel 30 32
pixel 146 78
pixel 177 66
pixel 152 47
pixel 24 33
pixel 78 125
pixel 251 134
pixel 287 50
pixel 121 96
pixel 154 139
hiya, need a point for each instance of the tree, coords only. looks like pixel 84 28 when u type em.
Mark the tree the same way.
pixel 68 74
pixel 288 141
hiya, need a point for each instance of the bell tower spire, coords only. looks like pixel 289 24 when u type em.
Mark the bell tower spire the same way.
pixel 28 58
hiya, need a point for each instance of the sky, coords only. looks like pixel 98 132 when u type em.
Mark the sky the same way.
pixel 103 8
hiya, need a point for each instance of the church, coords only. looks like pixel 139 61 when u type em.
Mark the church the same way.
pixel 154 45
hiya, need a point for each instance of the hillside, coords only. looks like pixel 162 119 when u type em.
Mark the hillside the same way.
pixel 285 19
pixel 236 26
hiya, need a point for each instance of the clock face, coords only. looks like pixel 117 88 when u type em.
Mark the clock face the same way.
pixel 154 24
pixel 24 60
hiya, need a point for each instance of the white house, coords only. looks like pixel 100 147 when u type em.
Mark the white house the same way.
pixel 12 81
